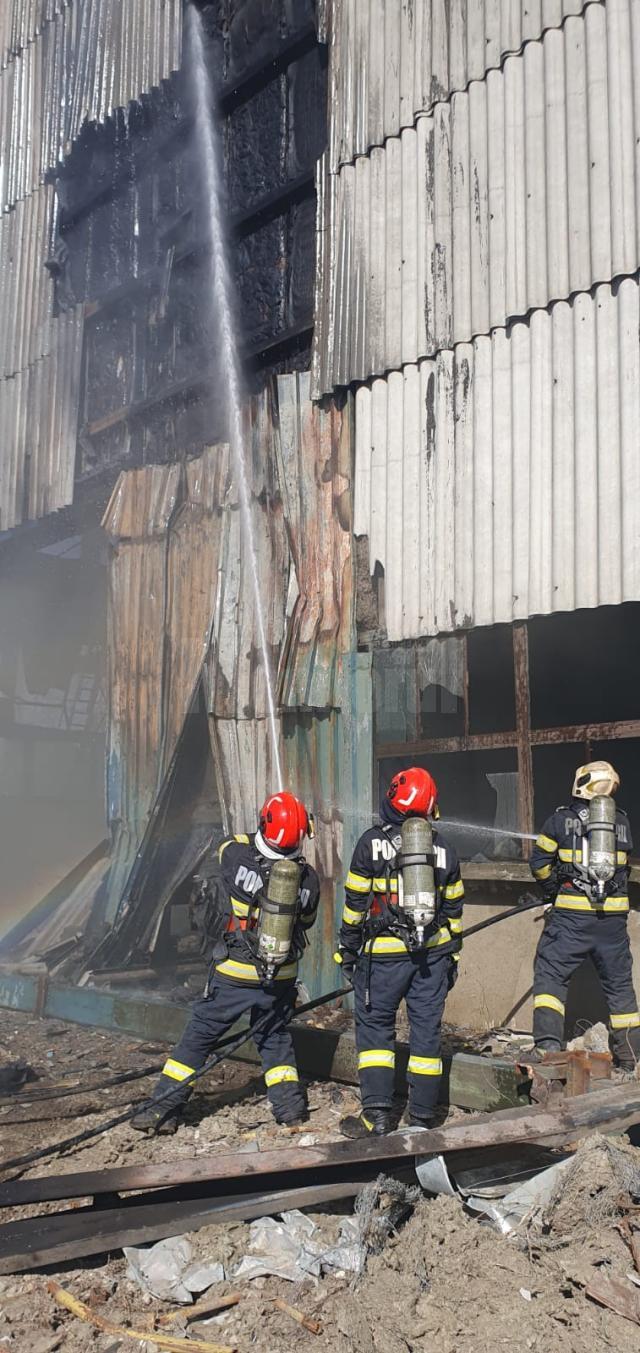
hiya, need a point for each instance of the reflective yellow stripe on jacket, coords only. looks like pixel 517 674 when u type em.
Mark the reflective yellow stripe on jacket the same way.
pixel 389 944
pixel 247 972
pixel 578 902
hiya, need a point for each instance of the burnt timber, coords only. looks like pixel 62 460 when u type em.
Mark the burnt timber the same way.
pixel 261 1183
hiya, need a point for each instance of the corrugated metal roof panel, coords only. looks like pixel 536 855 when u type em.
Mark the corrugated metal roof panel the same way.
pixel 389 61
pixel 521 191
pixel 512 466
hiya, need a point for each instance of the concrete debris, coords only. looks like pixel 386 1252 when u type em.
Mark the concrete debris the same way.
pixel 595 1039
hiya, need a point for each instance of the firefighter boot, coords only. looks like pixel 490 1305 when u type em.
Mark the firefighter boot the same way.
pixel 424 1123
pixel 156 1121
pixel 371 1121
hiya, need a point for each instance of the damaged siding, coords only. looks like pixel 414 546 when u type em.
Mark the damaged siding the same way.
pixel 392 60
pixel 182 610
pixel 499 459
pixel 63 63
pixel 314 450
pixel 521 190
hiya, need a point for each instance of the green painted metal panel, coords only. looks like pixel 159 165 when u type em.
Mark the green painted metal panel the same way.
pixel 18 992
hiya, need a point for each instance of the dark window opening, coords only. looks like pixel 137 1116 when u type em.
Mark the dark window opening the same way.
pixel 492 705
pixel 553 772
pixel 478 795
pixel 583 666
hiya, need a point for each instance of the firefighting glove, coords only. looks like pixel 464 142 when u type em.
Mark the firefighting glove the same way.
pixel 454 970
pixel 346 959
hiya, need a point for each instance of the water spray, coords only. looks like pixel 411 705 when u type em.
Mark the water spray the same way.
pixel 480 829
pixel 211 160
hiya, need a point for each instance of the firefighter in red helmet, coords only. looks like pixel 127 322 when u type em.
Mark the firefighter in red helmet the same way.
pixel 253 970
pixel 400 938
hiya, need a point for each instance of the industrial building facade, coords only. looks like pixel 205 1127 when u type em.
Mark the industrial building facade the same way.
pixel 443 431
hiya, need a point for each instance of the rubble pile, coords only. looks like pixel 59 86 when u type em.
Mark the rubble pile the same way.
pixel 398 1272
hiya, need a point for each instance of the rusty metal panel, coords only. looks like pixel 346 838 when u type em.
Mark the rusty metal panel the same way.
pixel 488 456
pixel 520 191
pixel 314 463
pixel 235 671
pixel 390 61
pixel 137 520
pixel 192 581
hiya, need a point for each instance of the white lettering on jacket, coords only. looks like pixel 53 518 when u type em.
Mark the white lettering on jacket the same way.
pixel 248 879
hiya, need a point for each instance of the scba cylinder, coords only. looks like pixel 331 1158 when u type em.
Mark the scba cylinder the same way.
pixel 417 887
pixel 278 914
pixel 603 843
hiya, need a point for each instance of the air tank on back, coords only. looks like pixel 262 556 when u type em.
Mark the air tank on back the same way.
pixel 603 845
pixel 416 882
pixel 278 914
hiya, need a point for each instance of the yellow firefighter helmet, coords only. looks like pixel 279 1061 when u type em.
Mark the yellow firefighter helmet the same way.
pixel 597 777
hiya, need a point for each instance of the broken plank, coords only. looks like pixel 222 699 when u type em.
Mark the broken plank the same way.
pixel 609 1110
pixel 616 1295
pixel 39 1241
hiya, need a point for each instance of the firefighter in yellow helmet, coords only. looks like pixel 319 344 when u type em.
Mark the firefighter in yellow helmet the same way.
pixel 580 859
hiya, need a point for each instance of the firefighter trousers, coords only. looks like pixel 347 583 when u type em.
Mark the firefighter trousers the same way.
pixel 567 939
pixel 212 1016
pixel 422 980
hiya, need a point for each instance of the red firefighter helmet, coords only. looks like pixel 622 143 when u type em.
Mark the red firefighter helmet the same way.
pixel 284 822
pixel 413 792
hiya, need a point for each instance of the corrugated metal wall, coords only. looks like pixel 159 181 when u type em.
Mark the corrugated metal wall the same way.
pixel 391 61
pixel 479 271
pixel 501 479
pixel 62 63
pixel 519 191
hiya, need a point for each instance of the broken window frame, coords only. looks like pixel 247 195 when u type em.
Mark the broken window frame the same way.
pixel 522 738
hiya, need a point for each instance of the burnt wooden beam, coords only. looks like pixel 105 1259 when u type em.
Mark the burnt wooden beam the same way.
pixel 28 1245
pixel 190 386
pixel 611 1110
pixel 232 95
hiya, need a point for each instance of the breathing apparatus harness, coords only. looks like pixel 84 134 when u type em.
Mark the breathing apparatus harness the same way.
pixel 594 848
pixel 274 936
pixel 415 911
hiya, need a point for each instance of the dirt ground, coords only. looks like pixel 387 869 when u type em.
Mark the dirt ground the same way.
pixel 442 1282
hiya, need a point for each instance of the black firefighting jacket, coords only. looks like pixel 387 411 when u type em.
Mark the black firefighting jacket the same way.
pixel 552 861
pixel 365 921
pixel 244 875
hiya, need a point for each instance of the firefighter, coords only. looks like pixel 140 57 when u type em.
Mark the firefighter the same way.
pixel 580 860
pixel 392 953
pixel 241 980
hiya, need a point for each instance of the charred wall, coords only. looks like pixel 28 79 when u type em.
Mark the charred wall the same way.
pixel 130 244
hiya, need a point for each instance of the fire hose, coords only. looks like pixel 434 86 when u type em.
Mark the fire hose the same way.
pixel 225 1048
pixel 526 903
